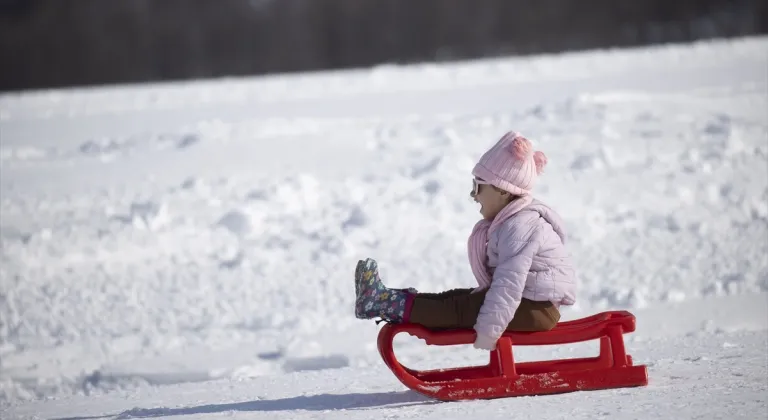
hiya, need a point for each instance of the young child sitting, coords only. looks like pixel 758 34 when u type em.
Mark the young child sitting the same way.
pixel 517 254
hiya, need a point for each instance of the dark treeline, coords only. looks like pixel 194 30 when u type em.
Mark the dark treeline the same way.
pixel 52 43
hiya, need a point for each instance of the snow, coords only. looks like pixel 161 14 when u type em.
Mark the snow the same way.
pixel 187 249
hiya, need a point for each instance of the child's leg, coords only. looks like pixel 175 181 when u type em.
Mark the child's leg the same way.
pixel 461 310
pixel 447 311
pixel 457 308
pixel 374 299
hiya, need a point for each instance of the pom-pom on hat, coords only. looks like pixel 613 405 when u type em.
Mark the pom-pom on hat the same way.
pixel 511 164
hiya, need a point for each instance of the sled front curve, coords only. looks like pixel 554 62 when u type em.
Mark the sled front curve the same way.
pixel 502 377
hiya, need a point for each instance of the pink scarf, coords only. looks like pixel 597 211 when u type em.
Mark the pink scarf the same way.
pixel 478 240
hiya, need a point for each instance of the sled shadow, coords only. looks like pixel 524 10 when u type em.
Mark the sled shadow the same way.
pixel 320 402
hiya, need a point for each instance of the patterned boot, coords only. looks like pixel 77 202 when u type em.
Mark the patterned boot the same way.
pixel 373 299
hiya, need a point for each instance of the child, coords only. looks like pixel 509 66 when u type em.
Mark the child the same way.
pixel 517 254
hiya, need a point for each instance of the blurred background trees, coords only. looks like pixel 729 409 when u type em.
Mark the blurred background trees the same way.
pixel 53 43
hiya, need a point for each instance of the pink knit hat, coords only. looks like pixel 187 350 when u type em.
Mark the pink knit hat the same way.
pixel 511 164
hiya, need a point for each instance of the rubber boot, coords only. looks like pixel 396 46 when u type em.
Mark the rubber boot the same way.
pixel 373 299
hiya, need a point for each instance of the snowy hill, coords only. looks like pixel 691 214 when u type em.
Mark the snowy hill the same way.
pixel 187 249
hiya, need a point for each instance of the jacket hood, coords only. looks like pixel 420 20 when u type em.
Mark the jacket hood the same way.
pixel 550 216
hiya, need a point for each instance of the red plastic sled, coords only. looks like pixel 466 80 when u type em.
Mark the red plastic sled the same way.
pixel 502 377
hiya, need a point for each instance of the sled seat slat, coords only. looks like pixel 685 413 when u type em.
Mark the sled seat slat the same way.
pixel 574 331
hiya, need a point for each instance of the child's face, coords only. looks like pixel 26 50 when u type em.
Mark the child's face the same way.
pixel 492 200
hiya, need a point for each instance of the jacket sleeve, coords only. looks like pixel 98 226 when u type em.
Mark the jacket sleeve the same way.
pixel 516 253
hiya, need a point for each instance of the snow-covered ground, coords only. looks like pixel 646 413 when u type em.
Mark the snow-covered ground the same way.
pixel 187 249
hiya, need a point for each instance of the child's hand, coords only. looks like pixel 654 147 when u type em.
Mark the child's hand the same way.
pixel 484 342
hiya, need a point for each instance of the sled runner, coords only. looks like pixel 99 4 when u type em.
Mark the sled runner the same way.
pixel 502 377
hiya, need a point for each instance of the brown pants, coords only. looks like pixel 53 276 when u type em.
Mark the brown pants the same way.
pixel 458 308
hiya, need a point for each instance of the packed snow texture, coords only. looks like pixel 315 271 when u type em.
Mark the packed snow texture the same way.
pixel 188 248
